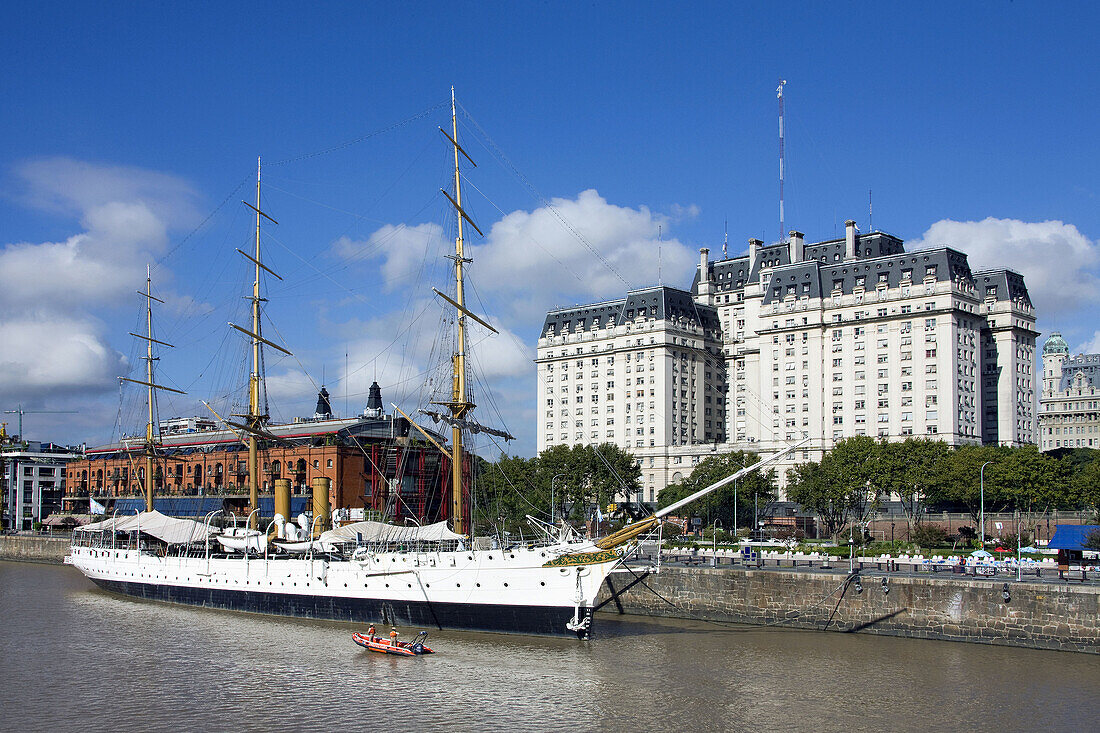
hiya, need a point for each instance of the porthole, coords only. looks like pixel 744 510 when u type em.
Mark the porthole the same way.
pixel 542 582
pixel 512 556
pixel 505 585
pixel 458 585
pixel 477 584
pixel 387 585
pixel 410 585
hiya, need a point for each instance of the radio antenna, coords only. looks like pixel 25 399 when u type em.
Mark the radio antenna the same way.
pixel 782 160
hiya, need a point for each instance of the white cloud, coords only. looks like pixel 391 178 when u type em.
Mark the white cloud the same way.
pixel 53 293
pixel 1058 262
pixel 1092 346
pixel 69 186
pixel 404 249
pixel 47 354
pixel 536 262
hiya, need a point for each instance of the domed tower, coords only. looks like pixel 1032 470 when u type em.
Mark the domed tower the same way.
pixel 1055 353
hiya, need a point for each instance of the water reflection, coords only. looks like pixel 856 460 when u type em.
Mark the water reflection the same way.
pixel 77 656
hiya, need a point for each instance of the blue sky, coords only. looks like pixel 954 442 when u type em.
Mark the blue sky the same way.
pixel 130 133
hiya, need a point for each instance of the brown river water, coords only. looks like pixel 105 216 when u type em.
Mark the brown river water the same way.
pixel 74 658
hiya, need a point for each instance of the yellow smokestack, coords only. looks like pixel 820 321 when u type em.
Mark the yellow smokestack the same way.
pixel 282 497
pixel 321 506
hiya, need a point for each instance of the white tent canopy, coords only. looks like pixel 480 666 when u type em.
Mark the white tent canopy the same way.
pixel 167 529
pixel 379 532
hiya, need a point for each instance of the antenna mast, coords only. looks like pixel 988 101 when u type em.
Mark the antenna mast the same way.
pixel 659 283
pixel 870 213
pixel 782 160
pixel 726 240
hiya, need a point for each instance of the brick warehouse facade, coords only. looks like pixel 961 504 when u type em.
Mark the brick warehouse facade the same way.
pixel 374 464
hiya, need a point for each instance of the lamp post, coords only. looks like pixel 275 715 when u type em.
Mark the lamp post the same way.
pixel 981 476
pixel 714 543
pixel 552 502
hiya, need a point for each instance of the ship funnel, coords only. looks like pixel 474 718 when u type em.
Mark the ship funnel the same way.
pixel 282 501
pixel 321 506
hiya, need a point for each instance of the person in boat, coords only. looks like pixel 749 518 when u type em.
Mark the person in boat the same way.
pixel 372 634
pixel 393 636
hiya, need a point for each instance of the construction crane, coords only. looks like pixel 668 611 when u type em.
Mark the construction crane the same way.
pixel 21 412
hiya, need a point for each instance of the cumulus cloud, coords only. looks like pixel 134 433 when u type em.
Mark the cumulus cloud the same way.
pixel 1058 262
pixel 53 293
pixel 1092 346
pixel 45 354
pixel 68 186
pixel 546 261
pixel 403 248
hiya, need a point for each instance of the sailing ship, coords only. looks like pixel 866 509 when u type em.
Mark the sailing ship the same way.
pixel 426 576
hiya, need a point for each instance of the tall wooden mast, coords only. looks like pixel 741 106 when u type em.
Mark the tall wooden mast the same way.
pixel 254 416
pixel 150 385
pixel 459 406
pixel 255 419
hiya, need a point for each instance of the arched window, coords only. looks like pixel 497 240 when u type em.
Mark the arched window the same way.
pixel 275 468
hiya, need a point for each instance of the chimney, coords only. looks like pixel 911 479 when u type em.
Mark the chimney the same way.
pixel 797 246
pixel 851 237
pixel 754 252
pixel 704 276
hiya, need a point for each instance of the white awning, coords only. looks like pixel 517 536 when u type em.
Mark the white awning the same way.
pixel 379 532
pixel 167 529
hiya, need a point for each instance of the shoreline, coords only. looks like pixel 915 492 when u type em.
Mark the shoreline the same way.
pixel 1036 615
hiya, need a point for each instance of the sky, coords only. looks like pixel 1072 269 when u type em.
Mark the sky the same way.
pixel 613 140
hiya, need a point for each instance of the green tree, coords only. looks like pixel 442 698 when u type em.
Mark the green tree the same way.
pixel 912 470
pixel 960 479
pixel 809 486
pixel 1086 488
pixel 718 505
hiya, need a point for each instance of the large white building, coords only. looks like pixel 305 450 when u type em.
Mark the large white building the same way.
pixel 825 341
pixel 1069 407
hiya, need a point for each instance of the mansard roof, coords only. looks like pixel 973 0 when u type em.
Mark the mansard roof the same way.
pixel 1082 370
pixel 1006 284
pixel 659 302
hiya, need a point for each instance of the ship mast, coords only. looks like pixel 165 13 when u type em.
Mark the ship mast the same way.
pixel 254 419
pixel 459 406
pixel 150 430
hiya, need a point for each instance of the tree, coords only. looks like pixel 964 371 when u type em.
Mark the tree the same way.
pixel 718 505
pixel 960 479
pixel 1086 487
pixel 1034 483
pixel 809 486
pixel 912 470
pixel 855 466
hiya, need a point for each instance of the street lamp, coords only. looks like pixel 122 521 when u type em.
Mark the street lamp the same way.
pixel 552 495
pixel 981 476
pixel 714 543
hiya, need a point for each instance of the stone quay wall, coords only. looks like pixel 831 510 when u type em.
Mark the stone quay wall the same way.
pixel 34 548
pixel 1062 616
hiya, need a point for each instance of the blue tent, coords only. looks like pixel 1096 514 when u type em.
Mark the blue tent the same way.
pixel 1071 536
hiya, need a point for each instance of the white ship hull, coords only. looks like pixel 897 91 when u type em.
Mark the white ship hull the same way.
pixel 488 590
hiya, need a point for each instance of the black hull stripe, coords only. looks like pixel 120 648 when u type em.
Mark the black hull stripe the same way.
pixel 538 620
